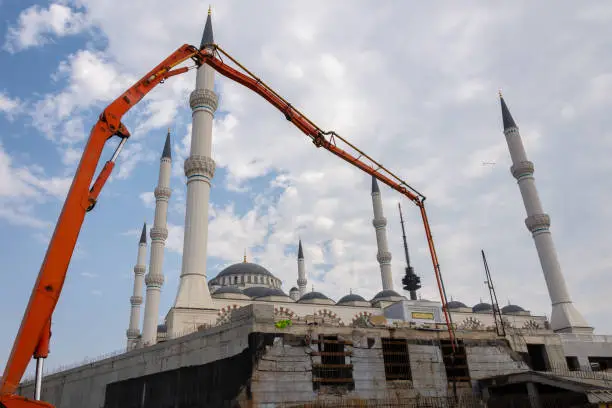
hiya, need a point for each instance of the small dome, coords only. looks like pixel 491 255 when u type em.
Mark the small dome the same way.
pixel 262 291
pixel 482 307
pixel 294 289
pixel 383 294
pixel 272 292
pixel 313 295
pixel 244 268
pixel 162 328
pixel 351 298
pixel 453 304
pixel 228 289
pixel 512 309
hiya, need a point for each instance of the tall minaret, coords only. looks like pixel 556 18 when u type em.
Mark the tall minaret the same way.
pixel 565 317
pixel 302 282
pixel 380 223
pixel 193 290
pixel 133 330
pixel 159 233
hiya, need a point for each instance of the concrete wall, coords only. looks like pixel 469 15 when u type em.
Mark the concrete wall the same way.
pixel 85 386
pixel 584 346
pixel 487 360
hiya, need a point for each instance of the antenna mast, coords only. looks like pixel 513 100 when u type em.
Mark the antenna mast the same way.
pixel 499 324
pixel 411 282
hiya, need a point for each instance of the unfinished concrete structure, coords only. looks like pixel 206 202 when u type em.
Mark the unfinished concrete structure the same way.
pixel 252 361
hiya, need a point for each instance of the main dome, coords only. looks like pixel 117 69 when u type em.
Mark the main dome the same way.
pixel 244 268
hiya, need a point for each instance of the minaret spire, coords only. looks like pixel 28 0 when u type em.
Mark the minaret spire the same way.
pixel 193 304
pixel 380 223
pixel 302 281
pixel 159 234
pixel 564 317
pixel 207 35
pixel 133 330
pixel 411 282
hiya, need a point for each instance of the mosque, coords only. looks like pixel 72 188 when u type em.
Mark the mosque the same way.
pixel 239 339
pixel 203 302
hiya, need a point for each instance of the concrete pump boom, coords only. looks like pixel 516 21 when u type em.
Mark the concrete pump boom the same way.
pixel 32 340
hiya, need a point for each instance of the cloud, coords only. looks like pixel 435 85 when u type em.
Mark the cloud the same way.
pixel 148 199
pixel 22 187
pixel 10 106
pixel 37 26
pixel 89 274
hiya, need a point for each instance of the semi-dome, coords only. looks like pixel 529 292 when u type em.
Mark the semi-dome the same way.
pixel 315 297
pixel 454 304
pixel 227 289
pixel 351 298
pixel 229 292
pixel 387 294
pixel 272 292
pixel 244 268
pixel 262 291
pixel 482 307
pixel 294 289
pixel 512 309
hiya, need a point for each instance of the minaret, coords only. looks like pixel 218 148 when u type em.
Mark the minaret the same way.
pixel 564 318
pixel 159 233
pixel 302 282
pixel 199 168
pixel 133 330
pixel 380 223
pixel 411 282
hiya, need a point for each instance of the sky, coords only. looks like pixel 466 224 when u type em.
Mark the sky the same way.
pixel 414 85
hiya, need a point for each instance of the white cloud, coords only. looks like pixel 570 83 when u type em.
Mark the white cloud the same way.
pixel 10 106
pixel 148 199
pixel 22 187
pixel 37 26
pixel 89 274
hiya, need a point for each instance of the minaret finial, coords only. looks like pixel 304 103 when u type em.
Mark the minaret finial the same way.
pixel 244 259
pixel 500 93
pixel 209 10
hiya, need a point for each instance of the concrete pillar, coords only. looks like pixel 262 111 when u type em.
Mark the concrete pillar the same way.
pixel 133 330
pixel 159 233
pixel 380 225
pixel 565 318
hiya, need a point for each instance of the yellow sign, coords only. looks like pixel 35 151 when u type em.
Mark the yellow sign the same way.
pixel 422 315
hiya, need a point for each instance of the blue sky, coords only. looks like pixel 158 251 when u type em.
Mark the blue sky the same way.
pixel 413 85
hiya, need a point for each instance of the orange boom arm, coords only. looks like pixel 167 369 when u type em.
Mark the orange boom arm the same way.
pixel 33 337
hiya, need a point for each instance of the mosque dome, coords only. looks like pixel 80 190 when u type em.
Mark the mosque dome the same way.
pixel 482 307
pixel 388 295
pixel 513 309
pixel 453 304
pixel 294 289
pixel 244 268
pixel 316 297
pixel 245 274
pixel 229 292
pixel 353 300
